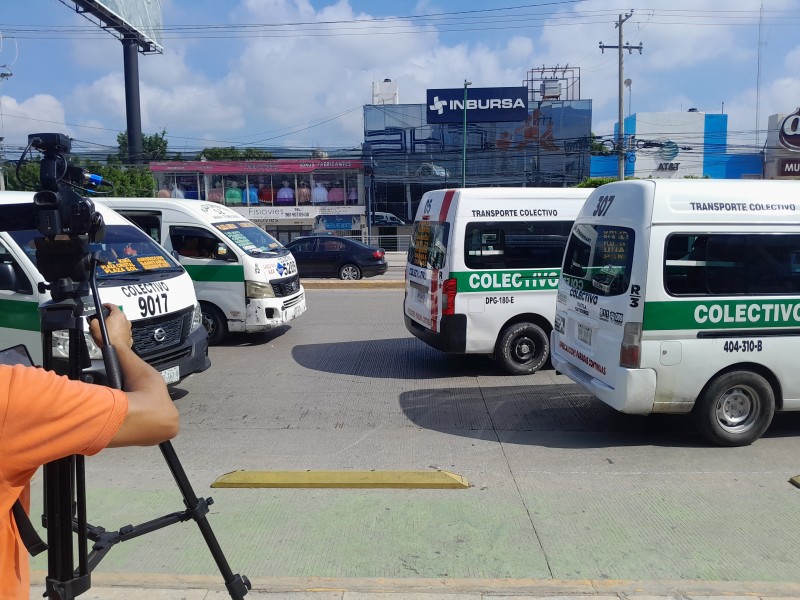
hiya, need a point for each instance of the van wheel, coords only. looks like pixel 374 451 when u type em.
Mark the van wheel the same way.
pixel 215 323
pixel 349 272
pixel 522 348
pixel 736 409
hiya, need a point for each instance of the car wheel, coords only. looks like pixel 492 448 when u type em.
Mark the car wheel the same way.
pixel 735 409
pixel 349 272
pixel 215 323
pixel 522 348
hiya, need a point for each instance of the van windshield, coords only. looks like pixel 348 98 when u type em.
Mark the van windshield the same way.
pixel 250 238
pixel 429 244
pixel 125 248
pixel 598 259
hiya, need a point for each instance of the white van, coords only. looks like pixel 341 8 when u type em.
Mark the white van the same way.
pixel 245 279
pixel 679 296
pixel 148 284
pixel 483 268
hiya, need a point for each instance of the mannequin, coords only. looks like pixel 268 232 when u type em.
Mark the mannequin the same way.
pixel 319 195
pixel 285 194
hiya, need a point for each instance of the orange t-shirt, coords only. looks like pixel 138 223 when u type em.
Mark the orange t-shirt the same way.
pixel 43 417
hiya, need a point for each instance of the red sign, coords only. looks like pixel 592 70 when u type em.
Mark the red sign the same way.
pixel 284 165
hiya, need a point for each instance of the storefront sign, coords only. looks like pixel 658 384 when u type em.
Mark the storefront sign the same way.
pixel 789 133
pixel 483 105
pixel 300 214
pixel 789 167
pixel 240 167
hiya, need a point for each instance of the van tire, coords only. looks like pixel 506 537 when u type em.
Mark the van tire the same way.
pixel 349 272
pixel 522 348
pixel 735 409
pixel 215 323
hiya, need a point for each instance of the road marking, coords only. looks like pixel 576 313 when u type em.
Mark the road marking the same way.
pixel 440 480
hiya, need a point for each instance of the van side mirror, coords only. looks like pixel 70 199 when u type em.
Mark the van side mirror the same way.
pixel 10 281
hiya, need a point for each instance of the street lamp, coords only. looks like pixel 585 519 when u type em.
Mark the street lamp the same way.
pixel 464 150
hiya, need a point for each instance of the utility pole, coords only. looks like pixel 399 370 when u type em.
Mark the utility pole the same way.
pixel 630 49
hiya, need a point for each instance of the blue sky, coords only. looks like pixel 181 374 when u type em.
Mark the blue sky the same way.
pixel 261 72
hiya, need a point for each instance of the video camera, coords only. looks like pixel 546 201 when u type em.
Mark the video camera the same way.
pixel 67 221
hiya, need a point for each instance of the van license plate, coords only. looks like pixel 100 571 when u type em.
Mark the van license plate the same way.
pixel 171 375
pixel 585 334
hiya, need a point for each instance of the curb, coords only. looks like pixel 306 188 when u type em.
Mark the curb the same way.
pixel 359 284
pixel 587 588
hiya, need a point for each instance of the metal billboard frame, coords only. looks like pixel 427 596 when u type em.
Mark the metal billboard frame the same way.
pixel 117 16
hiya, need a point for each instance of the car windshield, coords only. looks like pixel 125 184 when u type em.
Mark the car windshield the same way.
pixel 125 248
pixel 250 238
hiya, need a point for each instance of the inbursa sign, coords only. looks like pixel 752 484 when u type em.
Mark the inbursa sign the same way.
pixel 483 104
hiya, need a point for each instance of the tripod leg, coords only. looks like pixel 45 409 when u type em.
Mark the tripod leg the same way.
pixel 237 584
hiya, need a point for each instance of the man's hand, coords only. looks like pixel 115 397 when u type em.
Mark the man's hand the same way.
pixel 118 327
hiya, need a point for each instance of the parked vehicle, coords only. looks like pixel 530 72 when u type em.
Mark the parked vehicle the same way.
pixel 384 219
pixel 245 279
pixel 684 296
pixel 332 256
pixel 150 286
pixel 483 268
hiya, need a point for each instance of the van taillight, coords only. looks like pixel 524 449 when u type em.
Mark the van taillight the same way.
pixel 630 349
pixel 449 297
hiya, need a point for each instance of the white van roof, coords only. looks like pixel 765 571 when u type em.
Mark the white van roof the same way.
pixel 15 197
pixel 207 211
pixel 711 200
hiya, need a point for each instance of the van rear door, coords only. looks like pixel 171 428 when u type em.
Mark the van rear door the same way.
pixel 427 257
pixel 600 302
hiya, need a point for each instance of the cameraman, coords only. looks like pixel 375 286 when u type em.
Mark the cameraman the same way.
pixel 44 417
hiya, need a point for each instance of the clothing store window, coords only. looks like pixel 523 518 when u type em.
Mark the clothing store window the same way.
pixel 285 195
pixel 216 189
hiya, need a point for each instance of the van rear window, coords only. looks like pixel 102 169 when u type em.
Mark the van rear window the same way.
pixel 428 247
pixel 598 259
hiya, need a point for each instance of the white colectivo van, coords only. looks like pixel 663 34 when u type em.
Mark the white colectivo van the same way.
pixel 483 268
pixel 245 279
pixel 149 285
pixel 684 295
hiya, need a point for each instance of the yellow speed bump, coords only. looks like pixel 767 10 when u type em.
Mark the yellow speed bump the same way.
pixel 439 480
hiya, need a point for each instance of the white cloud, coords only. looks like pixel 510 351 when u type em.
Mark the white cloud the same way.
pixel 41 112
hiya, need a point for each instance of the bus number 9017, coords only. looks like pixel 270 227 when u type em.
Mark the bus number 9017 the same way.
pixel 153 305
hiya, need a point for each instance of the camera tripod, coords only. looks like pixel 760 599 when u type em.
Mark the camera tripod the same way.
pixel 64 479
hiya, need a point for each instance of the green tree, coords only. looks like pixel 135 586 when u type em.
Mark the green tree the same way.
pixel 27 179
pixel 129 182
pixel 154 147
pixel 234 153
pixel 593 182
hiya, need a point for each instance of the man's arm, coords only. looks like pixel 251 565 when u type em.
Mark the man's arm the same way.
pixel 152 417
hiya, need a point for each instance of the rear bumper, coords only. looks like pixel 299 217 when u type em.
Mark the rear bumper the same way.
pixel 372 270
pixel 634 394
pixel 452 336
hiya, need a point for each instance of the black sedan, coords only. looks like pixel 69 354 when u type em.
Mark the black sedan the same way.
pixel 332 256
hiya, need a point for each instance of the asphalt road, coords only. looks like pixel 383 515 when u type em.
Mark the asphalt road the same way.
pixel 562 488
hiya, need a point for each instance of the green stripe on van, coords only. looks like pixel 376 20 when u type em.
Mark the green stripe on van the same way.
pixel 19 314
pixel 215 272
pixel 527 280
pixel 721 314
